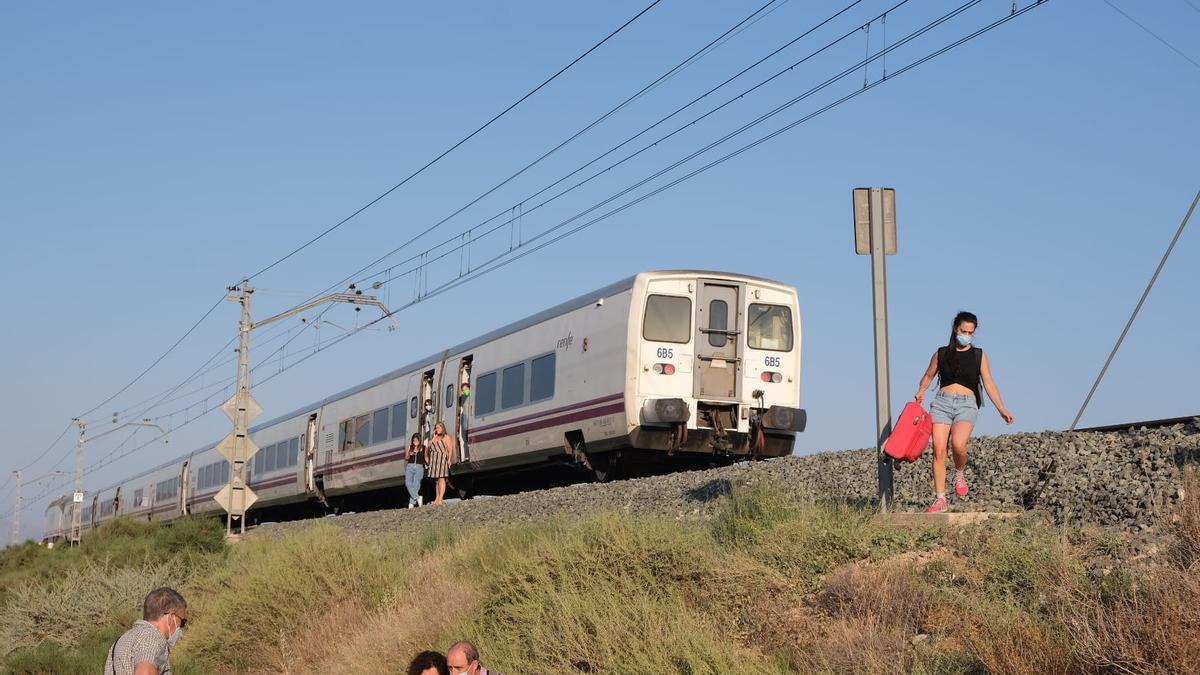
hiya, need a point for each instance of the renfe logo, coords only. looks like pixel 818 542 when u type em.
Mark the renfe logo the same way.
pixel 565 343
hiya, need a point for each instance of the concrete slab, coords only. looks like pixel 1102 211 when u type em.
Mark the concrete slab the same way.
pixel 944 518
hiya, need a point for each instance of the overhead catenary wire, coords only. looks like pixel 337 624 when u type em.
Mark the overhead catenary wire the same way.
pixel 521 252
pixel 1152 34
pixel 658 141
pixel 620 145
pixel 668 74
pixel 50 447
pixel 1141 301
pixel 456 145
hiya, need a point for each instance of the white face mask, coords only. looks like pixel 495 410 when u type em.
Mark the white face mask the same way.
pixel 176 634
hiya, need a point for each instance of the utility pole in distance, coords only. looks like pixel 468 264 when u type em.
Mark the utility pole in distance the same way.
pixel 77 496
pixel 875 235
pixel 16 526
pixel 237 497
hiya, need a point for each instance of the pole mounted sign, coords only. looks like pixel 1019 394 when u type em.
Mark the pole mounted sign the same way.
pixel 875 235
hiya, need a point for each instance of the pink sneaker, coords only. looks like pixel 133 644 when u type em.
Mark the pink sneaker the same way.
pixel 960 484
pixel 938 506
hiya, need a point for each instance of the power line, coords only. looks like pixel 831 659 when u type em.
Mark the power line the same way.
pixel 157 361
pixel 459 143
pixel 48 448
pixel 1152 33
pixel 674 70
pixel 634 137
pixel 1136 309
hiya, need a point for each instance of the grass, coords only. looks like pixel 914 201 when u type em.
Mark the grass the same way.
pixel 766 587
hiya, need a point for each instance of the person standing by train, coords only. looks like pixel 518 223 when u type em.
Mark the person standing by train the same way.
pixel 414 469
pixel 438 456
pixel 960 367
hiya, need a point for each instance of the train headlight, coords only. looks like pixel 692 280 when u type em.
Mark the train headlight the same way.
pixel 768 376
pixel 664 369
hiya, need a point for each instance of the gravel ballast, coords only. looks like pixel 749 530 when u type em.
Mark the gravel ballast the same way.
pixel 1125 479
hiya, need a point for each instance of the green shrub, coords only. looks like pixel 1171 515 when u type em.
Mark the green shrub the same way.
pixel 94 595
pixel 246 610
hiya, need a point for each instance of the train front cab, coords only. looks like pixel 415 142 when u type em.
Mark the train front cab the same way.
pixel 717 366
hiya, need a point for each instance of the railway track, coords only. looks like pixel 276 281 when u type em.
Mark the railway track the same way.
pixel 1148 424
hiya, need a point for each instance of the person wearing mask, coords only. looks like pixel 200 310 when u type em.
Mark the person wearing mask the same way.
pixel 438 457
pixel 145 649
pixel 428 663
pixel 961 368
pixel 463 659
pixel 414 469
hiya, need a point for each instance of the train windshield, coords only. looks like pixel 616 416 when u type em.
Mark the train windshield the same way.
pixel 668 319
pixel 770 327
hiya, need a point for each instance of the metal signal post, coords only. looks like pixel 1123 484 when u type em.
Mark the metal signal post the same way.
pixel 875 234
pixel 238 448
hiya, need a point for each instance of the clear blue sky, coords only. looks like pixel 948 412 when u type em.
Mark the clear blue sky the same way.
pixel 153 154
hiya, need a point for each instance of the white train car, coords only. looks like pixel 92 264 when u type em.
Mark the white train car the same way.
pixel 671 368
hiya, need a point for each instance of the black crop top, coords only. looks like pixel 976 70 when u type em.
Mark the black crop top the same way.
pixel 955 367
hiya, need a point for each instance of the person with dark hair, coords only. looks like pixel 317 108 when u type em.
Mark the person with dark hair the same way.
pixel 428 663
pixel 145 649
pixel 463 659
pixel 414 469
pixel 961 369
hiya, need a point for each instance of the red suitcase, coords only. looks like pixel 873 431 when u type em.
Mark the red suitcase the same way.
pixel 910 434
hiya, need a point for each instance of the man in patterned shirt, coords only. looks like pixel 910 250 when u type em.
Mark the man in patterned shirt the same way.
pixel 145 649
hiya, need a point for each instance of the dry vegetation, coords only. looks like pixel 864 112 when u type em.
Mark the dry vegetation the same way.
pixel 766 587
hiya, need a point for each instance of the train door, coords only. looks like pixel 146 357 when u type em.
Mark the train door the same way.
pixel 94 515
pixel 463 408
pixel 310 455
pixel 117 504
pixel 427 416
pixel 184 489
pixel 717 340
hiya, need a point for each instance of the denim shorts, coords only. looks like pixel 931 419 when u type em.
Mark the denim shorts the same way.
pixel 953 408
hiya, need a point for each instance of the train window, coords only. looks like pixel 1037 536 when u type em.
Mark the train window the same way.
pixel 718 320
pixel 541 378
pixel 346 435
pixel 769 327
pixel 225 471
pixel 485 394
pixel 137 497
pixel 293 451
pixel 668 319
pixel 362 431
pixel 512 386
pixel 269 459
pixel 412 408
pixel 379 425
pixel 398 420
pixel 449 396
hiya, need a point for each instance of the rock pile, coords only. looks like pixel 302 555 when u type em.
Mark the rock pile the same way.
pixel 1124 479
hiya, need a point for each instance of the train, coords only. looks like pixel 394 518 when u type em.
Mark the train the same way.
pixel 664 370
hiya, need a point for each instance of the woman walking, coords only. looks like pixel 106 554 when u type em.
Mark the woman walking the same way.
pixel 414 470
pixel 960 367
pixel 439 455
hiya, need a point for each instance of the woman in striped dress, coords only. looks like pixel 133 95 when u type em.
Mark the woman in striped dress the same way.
pixel 438 456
